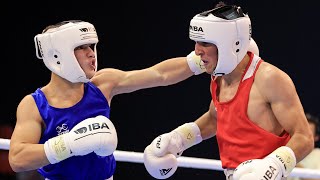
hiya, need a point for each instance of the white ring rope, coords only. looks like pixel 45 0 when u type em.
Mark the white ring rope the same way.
pixel 4 144
pixel 186 162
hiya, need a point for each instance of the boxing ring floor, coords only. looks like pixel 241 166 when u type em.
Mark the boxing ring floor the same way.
pixel 185 162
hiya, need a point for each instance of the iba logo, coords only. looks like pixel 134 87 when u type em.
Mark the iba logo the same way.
pixel 196 28
pixel 164 172
pixel 91 127
pixel 88 29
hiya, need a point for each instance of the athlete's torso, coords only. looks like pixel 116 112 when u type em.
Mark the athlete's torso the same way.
pixel 61 120
pixel 239 138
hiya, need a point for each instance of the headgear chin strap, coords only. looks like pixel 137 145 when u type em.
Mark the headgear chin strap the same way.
pixel 56 48
pixel 229 29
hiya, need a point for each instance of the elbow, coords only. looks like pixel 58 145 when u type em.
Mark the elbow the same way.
pixel 310 143
pixel 15 165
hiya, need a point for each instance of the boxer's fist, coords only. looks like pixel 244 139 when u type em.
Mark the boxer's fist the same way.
pixel 108 141
pixel 258 169
pixel 92 134
pixel 160 156
pixel 195 63
pixel 276 165
pixel 159 167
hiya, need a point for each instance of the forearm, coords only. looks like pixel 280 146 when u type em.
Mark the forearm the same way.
pixel 173 70
pixel 165 73
pixel 301 145
pixel 207 125
pixel 25 157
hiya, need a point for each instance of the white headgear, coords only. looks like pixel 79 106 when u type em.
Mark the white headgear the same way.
pixel 253 47
pixel 56 47
pixel 229 29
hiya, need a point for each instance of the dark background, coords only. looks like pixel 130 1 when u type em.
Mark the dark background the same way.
pixel 138 34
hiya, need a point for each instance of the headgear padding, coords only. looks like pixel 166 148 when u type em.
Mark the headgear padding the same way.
pixel 56 47
pixel 253 47
pixel 229 29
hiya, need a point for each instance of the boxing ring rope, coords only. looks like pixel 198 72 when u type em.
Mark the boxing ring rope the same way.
pixel 185 162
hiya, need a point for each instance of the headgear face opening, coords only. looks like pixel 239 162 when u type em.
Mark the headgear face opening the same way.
pixel 56 48
pixel 229 29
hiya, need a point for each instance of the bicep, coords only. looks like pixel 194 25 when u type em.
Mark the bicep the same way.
pixel 289 112
pixel 28 125
pixel 25 152
pixel 286 104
